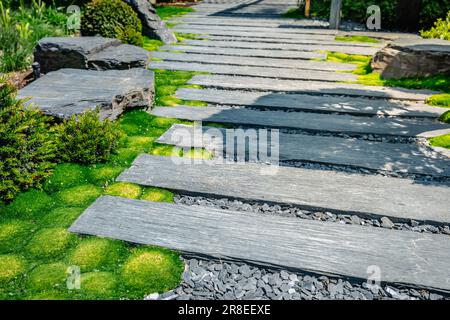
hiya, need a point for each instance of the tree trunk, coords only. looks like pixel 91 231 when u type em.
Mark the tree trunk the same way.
pixel 307 8
pixel 408 14
pixel 335 14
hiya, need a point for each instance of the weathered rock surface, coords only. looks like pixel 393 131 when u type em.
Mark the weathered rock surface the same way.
pixel 97 53
pixel 152 25
pixel 68 92
pixel 413 58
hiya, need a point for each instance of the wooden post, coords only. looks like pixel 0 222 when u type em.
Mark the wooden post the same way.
pixel 335 14
pixel 307 8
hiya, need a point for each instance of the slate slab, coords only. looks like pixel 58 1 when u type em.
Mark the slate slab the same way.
pixel 122 57
pixel 402 199
pixel 404 257
pixel 68 92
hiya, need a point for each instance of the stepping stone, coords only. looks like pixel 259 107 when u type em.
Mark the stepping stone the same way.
pixel 249 52
pixel 312 87
pixel 315 122
pixel 401 199
pixel 98 53
pixel 349 49
pixel 303 102
pixel 404 257
pixel 253 71
pixel 379 156
pixel 68 92
pixel 252 61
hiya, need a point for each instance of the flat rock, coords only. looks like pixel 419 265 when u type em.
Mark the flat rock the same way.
pixel 413 58
pixel 311 87
pixel 243 70
pixel 122 57
pixel 408 258
pixel 68 92
pixel 152 25
pixel 313 189
pixel 304 102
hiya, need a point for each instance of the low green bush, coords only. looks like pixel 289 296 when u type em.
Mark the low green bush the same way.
pixel 112 19
pixel 441 29
pixel 27 150
pixel 86 139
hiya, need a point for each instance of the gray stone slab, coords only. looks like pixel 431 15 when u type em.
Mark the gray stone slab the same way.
pixel 401 199
pixel 403 257
pixel 67 92
pixel 285 54
pixel 303 102
pixel 308 121
pixel 313 87
pixel 378 156
pixel 120 57
pixel 253 61
pixel 349 49
pixel 242 70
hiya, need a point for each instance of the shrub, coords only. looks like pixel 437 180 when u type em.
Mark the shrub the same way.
pixel 27 150
pixel 112 19
pixel 86 139
pixel 441 29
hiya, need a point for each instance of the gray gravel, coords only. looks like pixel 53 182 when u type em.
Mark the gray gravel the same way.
pixel 218 280
pixel 292 211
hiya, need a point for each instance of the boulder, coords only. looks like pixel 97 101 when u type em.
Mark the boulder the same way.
pixel 97 53
pixel 152 25
pixel 413 58
pixel 68 92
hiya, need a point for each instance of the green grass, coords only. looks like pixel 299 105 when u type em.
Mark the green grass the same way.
pixel 362 62
pixel 124 189
pixel 167 12
pixel 152 44
pixel 439 100
pixel 445 117
pixel 357 39
pixel 294 13
pixel 186 36
pixel 442 141
pixel 157 194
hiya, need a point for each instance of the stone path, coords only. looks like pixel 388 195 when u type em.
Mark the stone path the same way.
pixel 345 149
pixel 332 249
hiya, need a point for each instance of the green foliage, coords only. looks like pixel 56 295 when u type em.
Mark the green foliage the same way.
pixel 47 277
pixel 99 284
pixel 80 195
pixel 32 203
pixel 157 195
pixel 294 13
pixel 60 217
pixel 442 141
pixel 11 266
pixel 432 10
pixel 357 39
pixel 50 242
pixel 86 139
pixel 445 117
pixel 65 175
pixel 27 151
pixel 112 19
pixel 441 29
pixel 151 44
pixel 362 62
pixel 439 100
pixel 124 189
pixel 167 12
pixel 14 234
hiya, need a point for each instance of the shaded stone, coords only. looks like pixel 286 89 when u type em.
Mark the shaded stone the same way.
pixel 121 57
pixel 152 25
pixel 413 58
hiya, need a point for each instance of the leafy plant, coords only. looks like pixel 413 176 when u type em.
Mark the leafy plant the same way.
pixel 86 139
pixel 441 29
pixel 112 19
pixel 27 150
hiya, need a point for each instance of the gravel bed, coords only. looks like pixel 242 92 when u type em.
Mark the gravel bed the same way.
pixel 293 211
pixel 218 280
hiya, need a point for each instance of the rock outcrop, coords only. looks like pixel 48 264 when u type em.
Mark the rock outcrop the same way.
pixel 413 58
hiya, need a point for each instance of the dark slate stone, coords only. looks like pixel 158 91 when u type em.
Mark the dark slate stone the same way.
pixel 152 25
pixel 121 57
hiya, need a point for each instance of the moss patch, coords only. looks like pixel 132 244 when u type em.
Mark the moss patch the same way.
pixel 50 243
pixel 61 217
pixel 99 284
pixel 442 141
pixel 357 39
pixel 49 295
pixel 97 254
pixel 100 174
pixel 152 44
pixel 80 195
pixel 32 203
pixel 152 270
pixel 445 117
pixel 167 12
pixel 11 266
pixel 439 100
pixel 47 277
pixel 65 175
pixel 157 195
pixel 140 142
pixel 14 234
pixel 124 189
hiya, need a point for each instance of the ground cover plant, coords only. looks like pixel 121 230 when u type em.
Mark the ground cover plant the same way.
pixel 440 30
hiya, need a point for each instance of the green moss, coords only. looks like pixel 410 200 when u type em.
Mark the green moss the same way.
pixel 186 36
pixel 439 100
pixel 151 44
pixel 99 284
pixel 103 173
pixel 61 217
pixel 79 196
pixel 445 117
pixel 442 141
pixel 124 156
pixel 47 277
pixel 32 203
pixel 198 153
pixel 166 150
pixel 156 59
pixel 65 175
pixel 167 12
pixel 11 266
pixel 14 234
pixel 357 39
pixel 97 254
pixel 157 195
pixel 294 13
pixel 49 295
pixel 436 83
pixel 124 189
pixel 152 270
pixel 50 243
